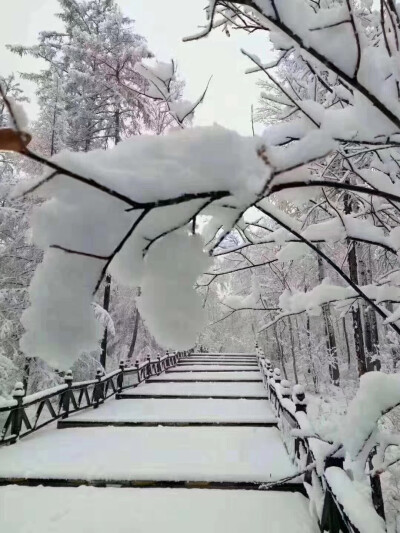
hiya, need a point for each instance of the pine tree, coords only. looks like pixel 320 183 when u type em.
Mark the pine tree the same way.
pixel 90 95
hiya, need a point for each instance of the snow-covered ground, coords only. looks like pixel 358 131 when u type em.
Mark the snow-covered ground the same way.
pixel 241 390
pixel 105 510
pixel 209 376
pixel 150 453
pixel 216 368
pixel 153 410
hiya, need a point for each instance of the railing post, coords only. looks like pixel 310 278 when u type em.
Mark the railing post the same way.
pixel 18 394
pixel 98 389
pixel 159 369
pixel 68 379
pixel 120 378
pixel 148 370
pixel 285 388
pixel 167 361
pixel 299 398
pixel 277 375
pixel 138 370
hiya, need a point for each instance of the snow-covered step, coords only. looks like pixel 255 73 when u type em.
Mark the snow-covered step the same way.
pixel 123 455
pixel 220 364
pixel 197 390
pixel 223 354
pixel 188 411
pixel 205 376
pixel 103 510
pixel 219 359
pixel 211 368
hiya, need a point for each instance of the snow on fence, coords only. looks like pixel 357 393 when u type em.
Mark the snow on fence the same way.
pixel 23 415
pixel 335 500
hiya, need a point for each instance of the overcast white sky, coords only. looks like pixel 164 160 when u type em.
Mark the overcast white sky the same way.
pixel 163 23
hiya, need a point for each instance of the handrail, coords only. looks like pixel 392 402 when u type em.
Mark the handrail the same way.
pixel 306 451
pixel 23 415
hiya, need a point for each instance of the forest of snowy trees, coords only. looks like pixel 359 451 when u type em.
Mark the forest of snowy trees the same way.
pixel 126 230
pixel 89 97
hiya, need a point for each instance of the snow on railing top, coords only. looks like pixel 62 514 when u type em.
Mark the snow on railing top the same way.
pixel 322 461
pixel 24 414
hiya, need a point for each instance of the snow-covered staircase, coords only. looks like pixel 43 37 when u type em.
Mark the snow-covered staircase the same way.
pixel 204 424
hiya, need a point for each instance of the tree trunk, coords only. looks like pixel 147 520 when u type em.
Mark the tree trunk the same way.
pixel 346 339
pixel 311 367
pixel 117 132
pixel 134 335
pixel 53 126
pixel 106 306
pixel 293 350
pixel 280 351
pixel 355 311
pixel 107 288
pixel 331 345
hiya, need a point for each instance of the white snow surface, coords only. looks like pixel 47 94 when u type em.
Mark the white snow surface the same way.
pixel 208 376
pixel 377 393
pixel 154 410
pixel 60 323
pixel 150 453
pixel 199 389
pixel 217 368
pixel 101 510
pixel 356 505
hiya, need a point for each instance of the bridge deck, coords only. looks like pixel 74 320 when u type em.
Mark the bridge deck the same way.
pixel 199 425
pixel 150 453
pixel 197 389
pixel 94 510
pixel 183 411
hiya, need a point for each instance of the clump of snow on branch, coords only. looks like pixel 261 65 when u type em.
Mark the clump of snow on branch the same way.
pixel 19 114
pixel 377 394
pixel 169 304
pixel 82 220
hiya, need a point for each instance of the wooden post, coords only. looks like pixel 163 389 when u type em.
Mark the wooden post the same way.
pixel 285 389
pixel 299 398
pixel 98 389
pixel 18 394
pixel 277 375
pixel 68 379
pixel 120 378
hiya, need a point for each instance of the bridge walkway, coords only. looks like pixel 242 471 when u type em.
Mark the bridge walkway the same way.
pixel 205 425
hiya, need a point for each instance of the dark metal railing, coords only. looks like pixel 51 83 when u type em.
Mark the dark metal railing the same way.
pixel 22 415
pixel 290 406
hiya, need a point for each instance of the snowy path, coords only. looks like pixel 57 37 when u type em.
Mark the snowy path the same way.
pixel 105 510
pixel 162 411
pixel 208 376
pixel 150 453
pixel 197 389
pixel 212 368
pixel 186 428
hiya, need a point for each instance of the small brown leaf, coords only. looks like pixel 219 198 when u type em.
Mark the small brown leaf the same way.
pixel 13 141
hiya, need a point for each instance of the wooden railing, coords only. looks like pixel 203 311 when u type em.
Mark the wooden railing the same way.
pixel 22 415
pixel 312 455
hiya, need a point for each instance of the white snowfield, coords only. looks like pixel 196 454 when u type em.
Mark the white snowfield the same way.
pixel 241 390
pixel 252 454
pixel 189 410
pixel 105 510
pixel 209 376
